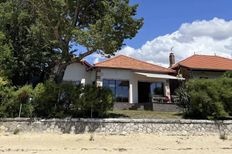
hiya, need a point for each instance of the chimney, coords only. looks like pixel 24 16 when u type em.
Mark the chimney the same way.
pixel 171 59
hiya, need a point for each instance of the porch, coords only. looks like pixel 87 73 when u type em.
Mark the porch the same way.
pixel 139 88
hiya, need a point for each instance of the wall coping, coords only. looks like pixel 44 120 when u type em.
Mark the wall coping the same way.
pixel 119 120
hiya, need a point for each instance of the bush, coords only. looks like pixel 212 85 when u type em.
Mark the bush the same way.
pixel 68 100
pixel 11 98
pixel 209 98
pixel 228 74
pixel 45 99
pixel 183 98
pixel 50 100
pixel 23 96
pixel 3 81
pixel 94 102
pixel 7 104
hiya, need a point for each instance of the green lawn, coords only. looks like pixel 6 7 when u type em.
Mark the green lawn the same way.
pixel 139 114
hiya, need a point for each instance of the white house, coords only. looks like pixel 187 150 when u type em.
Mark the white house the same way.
pixel 129 79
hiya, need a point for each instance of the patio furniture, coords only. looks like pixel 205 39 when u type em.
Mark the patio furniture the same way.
pixel 160 99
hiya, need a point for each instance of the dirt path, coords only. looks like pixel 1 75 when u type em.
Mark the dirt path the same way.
pixel 101 144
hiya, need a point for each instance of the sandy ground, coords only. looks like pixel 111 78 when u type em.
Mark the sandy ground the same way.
pixel 136 144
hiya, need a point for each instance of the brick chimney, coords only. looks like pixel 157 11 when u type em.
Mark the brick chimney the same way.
pixel 171 59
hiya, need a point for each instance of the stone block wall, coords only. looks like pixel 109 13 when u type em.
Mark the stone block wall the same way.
pixel 117 126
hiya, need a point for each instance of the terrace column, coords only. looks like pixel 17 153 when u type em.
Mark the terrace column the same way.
pixel 98 78
pixel 131 92
pixel 83 81
pixel 167 89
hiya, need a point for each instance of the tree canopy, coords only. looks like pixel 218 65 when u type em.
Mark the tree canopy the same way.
pixel 45 35
pixel 25 55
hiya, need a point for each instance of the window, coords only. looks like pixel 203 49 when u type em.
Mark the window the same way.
pixel 119 88
pixel 157 88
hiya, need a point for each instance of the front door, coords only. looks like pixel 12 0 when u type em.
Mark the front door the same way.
pixel 144 92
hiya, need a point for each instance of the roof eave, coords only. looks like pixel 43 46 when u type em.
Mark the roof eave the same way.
pixel 207 69
pixel 171 71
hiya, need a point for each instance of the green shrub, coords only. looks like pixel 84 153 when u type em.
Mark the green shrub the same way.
pixel 183 98
pixel 94 102
pixel 44 100
pixel 24 96
pixel 68 100
pixel 11 98
pixel 209 98
pixel 3 81
pixel 50 100
pixel 7 104
pixel 228 74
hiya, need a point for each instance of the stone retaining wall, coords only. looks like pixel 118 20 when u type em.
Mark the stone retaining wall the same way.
pixel 117 126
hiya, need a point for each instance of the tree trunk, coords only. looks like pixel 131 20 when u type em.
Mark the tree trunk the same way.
pixel 58 73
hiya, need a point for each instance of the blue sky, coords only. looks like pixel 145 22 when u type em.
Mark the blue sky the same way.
pixel 167 17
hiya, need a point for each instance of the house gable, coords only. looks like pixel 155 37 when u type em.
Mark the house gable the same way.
pixel 79 72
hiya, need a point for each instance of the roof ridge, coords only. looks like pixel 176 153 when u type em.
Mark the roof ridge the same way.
pixel 212 56
pixel 151 64
pixel 182 61
pixel 223 57
pixel 135 60
pixel 109 59
pixel 145 62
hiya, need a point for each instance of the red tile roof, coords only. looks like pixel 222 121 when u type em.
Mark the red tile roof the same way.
pixel 205 62
pixel 124 62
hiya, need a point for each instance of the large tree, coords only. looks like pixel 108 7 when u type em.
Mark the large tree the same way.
pixel 25 55
pixel 37 36
pixel 98 25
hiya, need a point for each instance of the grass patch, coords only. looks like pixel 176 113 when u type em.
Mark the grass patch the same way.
pixel 140 114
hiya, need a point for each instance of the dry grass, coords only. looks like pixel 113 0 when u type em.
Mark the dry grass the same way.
pixel 138 114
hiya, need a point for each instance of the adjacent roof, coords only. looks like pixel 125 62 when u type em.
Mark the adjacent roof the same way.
pixel 124 62
pixel 205 62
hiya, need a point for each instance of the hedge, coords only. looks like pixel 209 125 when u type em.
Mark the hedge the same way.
pixel 50 100
pixel 207 98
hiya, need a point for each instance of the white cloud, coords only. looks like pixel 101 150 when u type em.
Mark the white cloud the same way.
pixel 200 37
